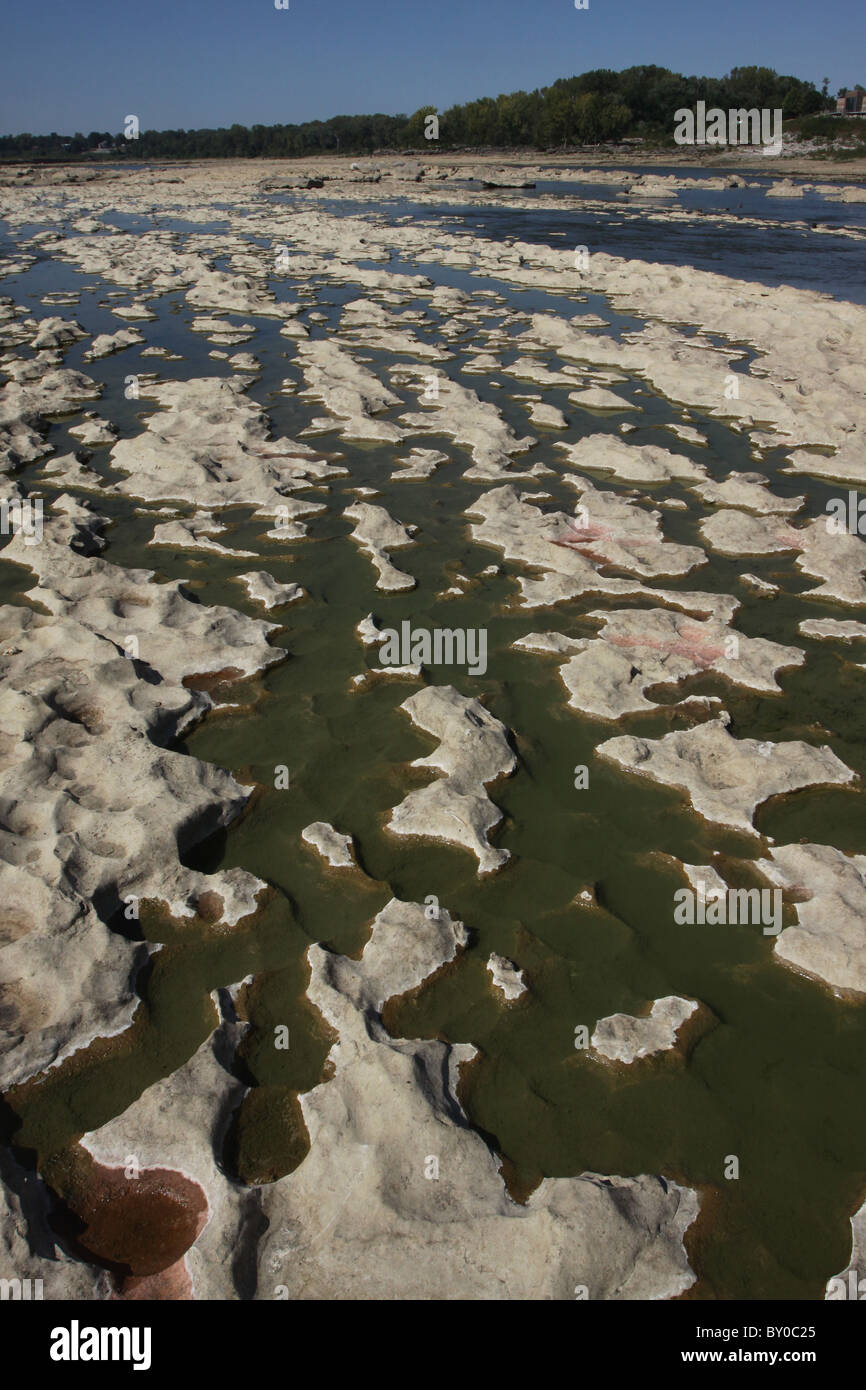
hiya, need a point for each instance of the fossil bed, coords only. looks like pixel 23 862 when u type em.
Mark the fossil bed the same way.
pixel 297 947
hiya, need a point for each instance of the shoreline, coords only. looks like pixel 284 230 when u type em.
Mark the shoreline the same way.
pixel 797 164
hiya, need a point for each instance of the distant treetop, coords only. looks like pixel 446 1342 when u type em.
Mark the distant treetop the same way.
pixel 596 106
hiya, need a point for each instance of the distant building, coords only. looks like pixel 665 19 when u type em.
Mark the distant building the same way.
pixel 851 103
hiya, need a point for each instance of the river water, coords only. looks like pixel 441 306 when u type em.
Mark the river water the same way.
pixel 776 1075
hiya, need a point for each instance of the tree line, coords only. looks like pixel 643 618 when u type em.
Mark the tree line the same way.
pixel 594 107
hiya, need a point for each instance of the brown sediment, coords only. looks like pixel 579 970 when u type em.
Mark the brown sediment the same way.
pixel 241 691
pixel 224 705
pixel 209 680
pixel 699 1234
pixel 172 1285
pixel 854 998
pixel 694 1030
pixel 139 1225
pixel 160 925
pixel 269 1136
pixel 27 1095
pixel 518 1184
pixel 210 906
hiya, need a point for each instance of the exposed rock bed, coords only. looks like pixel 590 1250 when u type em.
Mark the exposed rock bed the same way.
pixel 506 978
pixel 336 849
pixel 97 809
pixel 622 1038
pixel 829 940
pixel 376 532
pixel 473 752
pixel 641 648
pixel 211 443
pixel 94 805
pixel 264 589
pixel 725 778
pixel 571 551
pixel 398 1196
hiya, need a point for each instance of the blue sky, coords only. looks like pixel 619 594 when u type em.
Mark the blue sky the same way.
pixel 85 65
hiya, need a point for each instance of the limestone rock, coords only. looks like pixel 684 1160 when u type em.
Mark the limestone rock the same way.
pixel 376 532
pixel 622 1038
pixel 337 849
pixel 506 977
pixel 725 778
pixel 473 752
pixel 264 589
pixel 638 648
pixel 829 940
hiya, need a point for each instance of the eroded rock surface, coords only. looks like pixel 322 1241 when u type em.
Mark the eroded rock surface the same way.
pixel 829 940
pixel 623 1038
pixel 641 648
pixel 376 532
pixel 726 778
pixel 506 977
pixel 336 849
pixel 398 1196
pixel 473 752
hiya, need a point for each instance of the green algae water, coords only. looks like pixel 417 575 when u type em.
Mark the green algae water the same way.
pixel 774 1074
